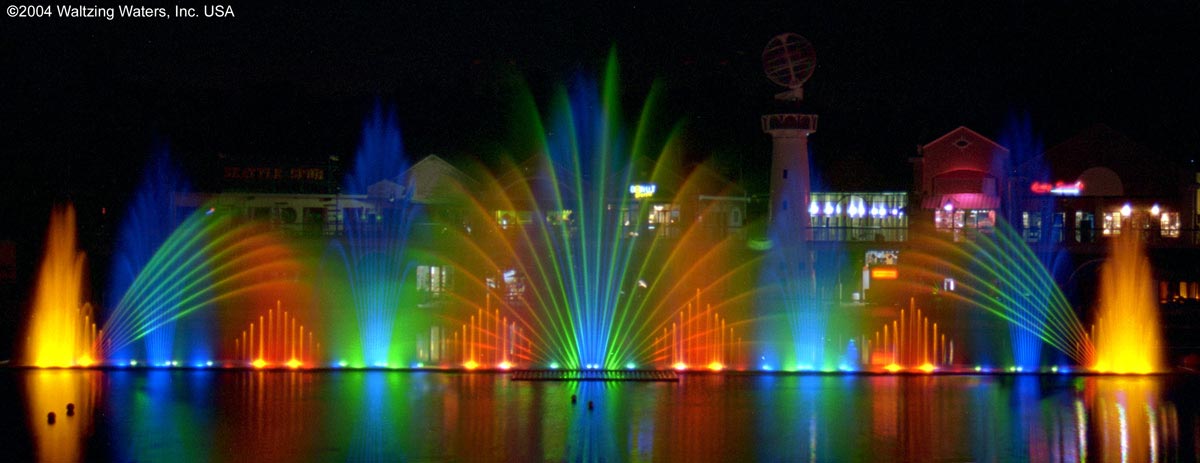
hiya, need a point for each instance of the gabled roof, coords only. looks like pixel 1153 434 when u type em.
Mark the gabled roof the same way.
pixel 963 133
pixel 435 180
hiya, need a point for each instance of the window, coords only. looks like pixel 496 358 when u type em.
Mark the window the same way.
pixel 979 219
pixel 1112 224
pixel 1031 226
pixel 514 285
pixel 1085 227
pixel 433 279
pixel 1169 221
pixel 1060 218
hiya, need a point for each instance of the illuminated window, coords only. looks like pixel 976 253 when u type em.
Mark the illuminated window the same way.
pixel 882 257
pixel 981 219
pixel 1112 224
pixel 1031 226
pixel 514 284
pixel 1169 221
pixel 512 218
pixel 433 279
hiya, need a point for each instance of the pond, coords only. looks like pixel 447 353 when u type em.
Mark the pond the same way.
pixel 235 415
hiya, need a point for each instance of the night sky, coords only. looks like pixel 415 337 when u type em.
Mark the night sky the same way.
pixel 85 100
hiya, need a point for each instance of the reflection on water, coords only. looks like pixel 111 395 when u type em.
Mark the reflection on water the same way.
pixel 50 391
pixel 385 416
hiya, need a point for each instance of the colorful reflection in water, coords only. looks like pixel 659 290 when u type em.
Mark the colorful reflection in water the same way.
pixel 216 415
pixel 50 391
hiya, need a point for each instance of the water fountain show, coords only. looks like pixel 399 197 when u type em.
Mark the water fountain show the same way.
pixel 595 271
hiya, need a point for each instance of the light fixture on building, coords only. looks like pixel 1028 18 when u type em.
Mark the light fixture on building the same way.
pixel 1154 210
pixel 948 207
pixel 814 208
pixel 1126 210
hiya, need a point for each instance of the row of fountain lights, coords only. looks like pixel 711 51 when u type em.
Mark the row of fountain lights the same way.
pixel 678 366
pixel 856 210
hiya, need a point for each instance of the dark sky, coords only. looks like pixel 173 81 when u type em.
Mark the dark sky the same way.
pixel 84 100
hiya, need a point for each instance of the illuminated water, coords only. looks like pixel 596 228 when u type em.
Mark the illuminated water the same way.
pixel 1127 334
pixel 394 416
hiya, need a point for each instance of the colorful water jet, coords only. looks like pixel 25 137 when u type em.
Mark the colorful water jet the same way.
pixel 62 332
pixel 911 342
pixel 375 250
pixel 151 219
pixel 585 244
pixel 278 341
pixel 999 274
pixel 208 259
pixel 1126 333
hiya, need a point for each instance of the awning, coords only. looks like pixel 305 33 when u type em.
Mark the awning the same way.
pixel 961 201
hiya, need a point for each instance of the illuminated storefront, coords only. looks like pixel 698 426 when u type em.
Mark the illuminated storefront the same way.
pixel 858 216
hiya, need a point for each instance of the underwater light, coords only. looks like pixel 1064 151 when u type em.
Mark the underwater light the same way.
pixel 553 365
pixel 630 366
pixel 381 364
pixel 208 363
pixel 293 363
pixel 85 361
pixel 470 365
pixel 892 368
pixel 978 368
pixel 1054 369
pixel 766 367
pixel 174 363
pixel 927 367
pixel 341 363
pixel 680 366
pixel 419 365
pixel 505 365
pixel 715 366
pixel 132 363
pixel 259 363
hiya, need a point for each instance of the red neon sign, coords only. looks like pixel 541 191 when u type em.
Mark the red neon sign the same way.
pixel 1058 188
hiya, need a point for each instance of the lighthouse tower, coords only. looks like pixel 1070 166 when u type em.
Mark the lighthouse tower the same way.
pixel 789 60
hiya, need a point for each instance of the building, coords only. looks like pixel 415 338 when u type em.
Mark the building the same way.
pixel 959 180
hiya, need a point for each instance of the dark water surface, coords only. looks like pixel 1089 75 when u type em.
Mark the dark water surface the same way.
pixel 176 416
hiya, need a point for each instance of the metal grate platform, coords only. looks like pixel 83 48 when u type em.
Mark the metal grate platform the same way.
pixel 594 375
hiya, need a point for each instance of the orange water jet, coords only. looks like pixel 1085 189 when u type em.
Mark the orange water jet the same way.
pixel 61 332
pixel 1126 333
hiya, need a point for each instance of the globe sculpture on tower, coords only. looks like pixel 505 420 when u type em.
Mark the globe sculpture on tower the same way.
pixel 789 60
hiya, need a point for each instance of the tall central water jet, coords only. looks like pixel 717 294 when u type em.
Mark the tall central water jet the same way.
pixel 1127 334
pixel 597 249
pixel 376 243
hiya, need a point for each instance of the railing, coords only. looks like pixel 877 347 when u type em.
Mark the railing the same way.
pixel 860 234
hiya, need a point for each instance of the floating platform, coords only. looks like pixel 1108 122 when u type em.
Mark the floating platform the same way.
pixel 594 375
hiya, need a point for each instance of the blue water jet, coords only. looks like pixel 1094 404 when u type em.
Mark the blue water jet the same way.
pixel 376 242
pixel 153 215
